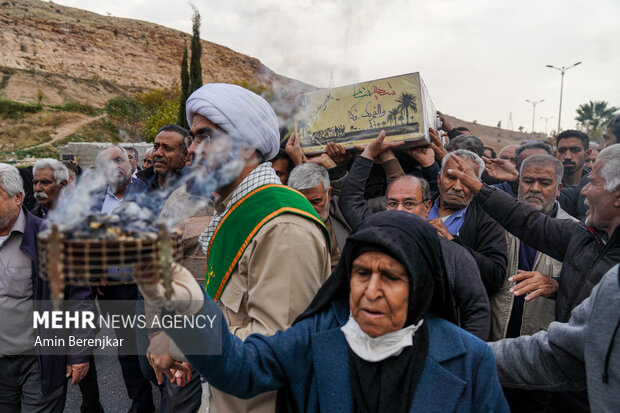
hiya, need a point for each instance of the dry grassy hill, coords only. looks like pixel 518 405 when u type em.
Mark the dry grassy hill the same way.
pixel 493 136
pixel 69 62
pixel 75 55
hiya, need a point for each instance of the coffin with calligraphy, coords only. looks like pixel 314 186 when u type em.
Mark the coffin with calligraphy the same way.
pixel 355 114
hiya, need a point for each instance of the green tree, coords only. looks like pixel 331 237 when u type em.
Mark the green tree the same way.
pixel 405 102
pixel 594 117
pixel 182 118
pixel 164 114
pixel 195 67
pixel 162 108
pixel 127 114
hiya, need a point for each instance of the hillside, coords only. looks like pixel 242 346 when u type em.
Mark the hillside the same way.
pixel 75 55
pixel 62 64
pixel 492 136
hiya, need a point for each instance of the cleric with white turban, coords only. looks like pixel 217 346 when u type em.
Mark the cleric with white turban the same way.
pixel 240 113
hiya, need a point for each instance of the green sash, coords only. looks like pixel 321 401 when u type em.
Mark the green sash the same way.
pixel 241 223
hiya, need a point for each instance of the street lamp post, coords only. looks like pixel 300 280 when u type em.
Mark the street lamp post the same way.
pixel 534 103
pixel 546 118
pixel 562 71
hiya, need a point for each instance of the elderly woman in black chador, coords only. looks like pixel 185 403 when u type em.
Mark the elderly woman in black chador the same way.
pixel 378 337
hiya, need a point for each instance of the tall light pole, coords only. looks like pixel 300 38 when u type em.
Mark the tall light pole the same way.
pixel 562 71
pixel 534 103
pixel 546 118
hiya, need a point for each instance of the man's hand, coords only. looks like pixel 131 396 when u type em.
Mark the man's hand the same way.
pixel 465 174
pixel 164 365
pixel 534 284
pixel 441 228
pixel 377 147
pixel 76 372
pixel 424 155
pixel 338 153
pixel 437 146
pixel 501 169
pixel 159 355
pixel 446 126
pixel 324 160
pixel 294 151
pixel 182 377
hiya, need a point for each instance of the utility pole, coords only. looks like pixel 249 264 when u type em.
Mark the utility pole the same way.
pixel 546 118
pixel 534 103
pixel 562 71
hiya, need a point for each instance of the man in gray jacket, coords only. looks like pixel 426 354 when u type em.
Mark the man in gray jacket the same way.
pixel 582 353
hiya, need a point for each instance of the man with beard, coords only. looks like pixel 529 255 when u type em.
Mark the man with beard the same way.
pixel 267 249
pixel 312 180
pixel 525 303
pixel 456 218
pixel 49 177
pixel 587 251
pixel 573 146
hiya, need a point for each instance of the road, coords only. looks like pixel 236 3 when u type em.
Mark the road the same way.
pixel 112 393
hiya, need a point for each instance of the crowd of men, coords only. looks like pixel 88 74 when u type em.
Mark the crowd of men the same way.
pixel 525 236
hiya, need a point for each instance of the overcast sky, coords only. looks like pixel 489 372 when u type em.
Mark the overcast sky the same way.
pixel 480 59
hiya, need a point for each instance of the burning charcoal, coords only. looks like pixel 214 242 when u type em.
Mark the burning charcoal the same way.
pixel 95 225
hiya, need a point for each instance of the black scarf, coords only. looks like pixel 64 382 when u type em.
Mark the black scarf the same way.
pixel 389 385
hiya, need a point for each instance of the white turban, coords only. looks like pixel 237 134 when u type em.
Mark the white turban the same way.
pixel 240 113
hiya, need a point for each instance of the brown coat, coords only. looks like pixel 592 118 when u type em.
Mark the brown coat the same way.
pixel 275 280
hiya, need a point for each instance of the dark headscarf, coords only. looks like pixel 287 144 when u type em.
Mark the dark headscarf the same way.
pixel 389 385
pixel 415 244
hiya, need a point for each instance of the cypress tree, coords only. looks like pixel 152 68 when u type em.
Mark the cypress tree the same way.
pixel 182 119
pixel 195 68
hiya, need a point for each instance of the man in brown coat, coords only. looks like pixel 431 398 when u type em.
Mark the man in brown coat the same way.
pixel 281 253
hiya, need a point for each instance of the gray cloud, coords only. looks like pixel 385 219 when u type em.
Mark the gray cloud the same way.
pixel 480 59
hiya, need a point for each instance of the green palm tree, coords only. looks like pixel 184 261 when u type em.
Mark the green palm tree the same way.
pixel 594 117
pixel 405 102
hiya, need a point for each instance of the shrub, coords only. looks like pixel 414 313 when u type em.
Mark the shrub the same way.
pixel 14 110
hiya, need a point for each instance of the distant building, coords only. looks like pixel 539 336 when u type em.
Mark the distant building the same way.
pixel 86 152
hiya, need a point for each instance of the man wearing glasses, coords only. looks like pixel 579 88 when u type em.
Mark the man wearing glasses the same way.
pixel 412 194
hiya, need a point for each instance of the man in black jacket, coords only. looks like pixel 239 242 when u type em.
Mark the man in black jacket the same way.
pixel 33 377
pixel 411 194
pixel 587 250
pixel 156 183
pixel 456 218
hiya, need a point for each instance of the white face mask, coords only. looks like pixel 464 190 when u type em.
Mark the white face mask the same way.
pixel 378 348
